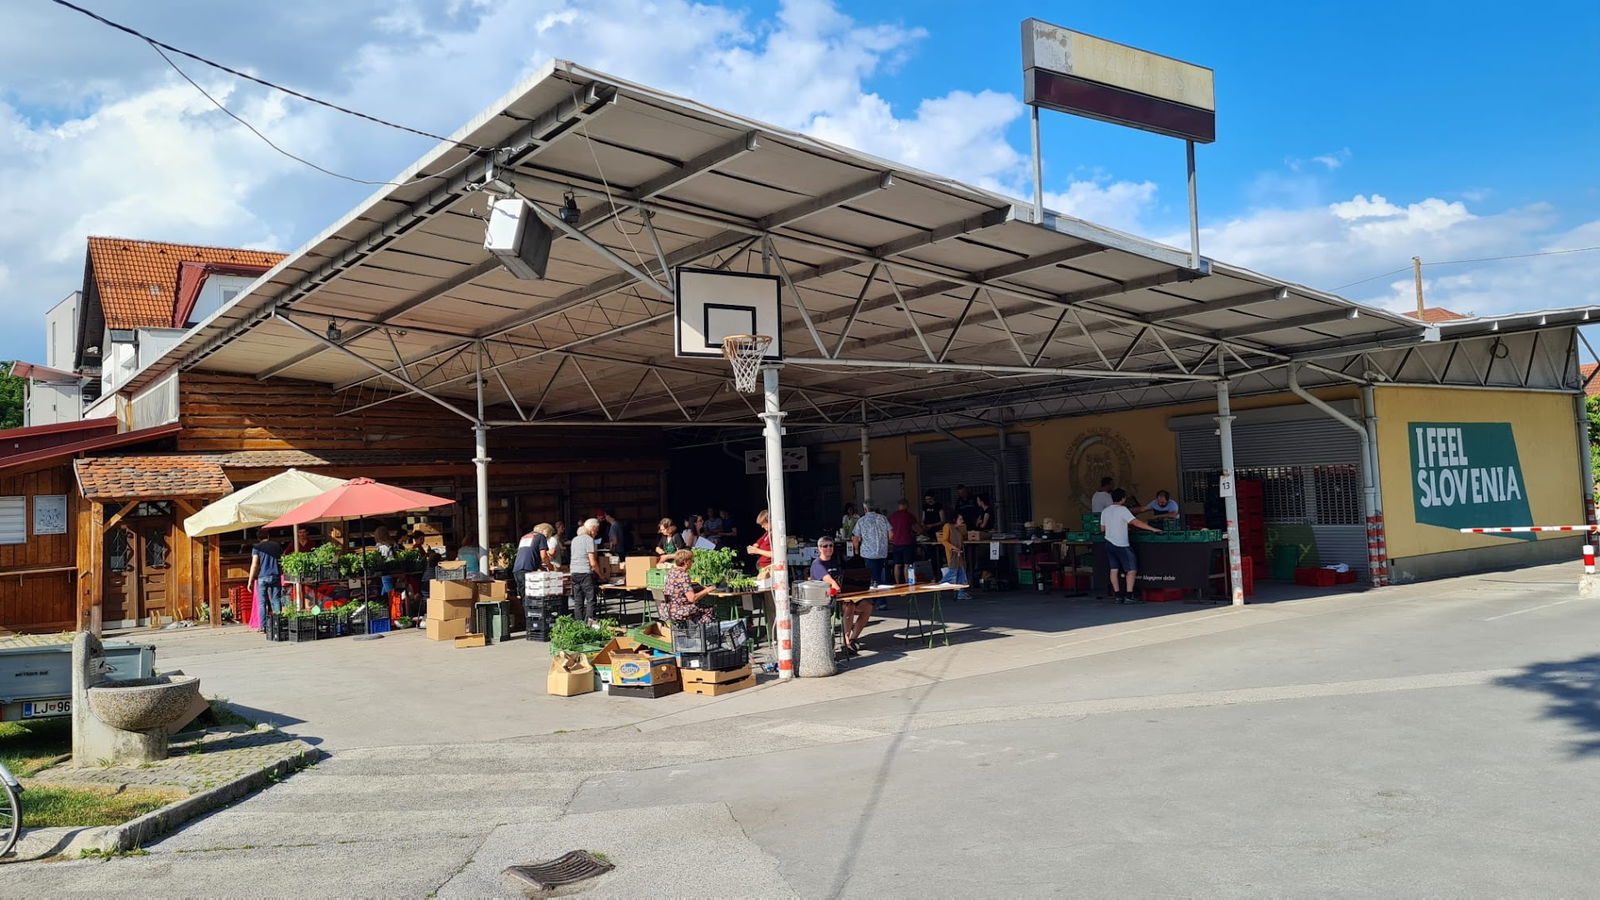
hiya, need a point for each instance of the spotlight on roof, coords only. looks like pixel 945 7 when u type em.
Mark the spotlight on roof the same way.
pixel 334 332
pixel 570 213
pixel 517 238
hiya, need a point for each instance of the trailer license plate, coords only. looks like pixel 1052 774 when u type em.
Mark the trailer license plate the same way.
pixel 39 709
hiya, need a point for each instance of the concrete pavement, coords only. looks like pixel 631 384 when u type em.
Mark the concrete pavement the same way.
pixel 1439 739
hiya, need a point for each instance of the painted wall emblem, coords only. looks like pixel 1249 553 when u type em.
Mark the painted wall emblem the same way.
pixel 1095 455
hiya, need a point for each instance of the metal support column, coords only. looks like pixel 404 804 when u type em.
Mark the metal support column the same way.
pixel 866 463
pixel 777 522
pixel 1377 551
pixel 1038 170
pixel 1231 501
pixel 1377 539
pixel 1580 401
pixel 997 503
pixel 480 460
pixel 1194 212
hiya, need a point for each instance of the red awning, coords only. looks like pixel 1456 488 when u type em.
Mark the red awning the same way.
pixel 354 499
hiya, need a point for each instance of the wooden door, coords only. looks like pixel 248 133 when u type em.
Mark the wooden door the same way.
pixel 121 574
pixel 155 568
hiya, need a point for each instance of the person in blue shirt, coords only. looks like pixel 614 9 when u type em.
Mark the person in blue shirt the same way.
pixel 1162 507
pixel 266 572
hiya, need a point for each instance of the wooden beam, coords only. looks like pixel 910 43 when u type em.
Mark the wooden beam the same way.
pixel 91 551
pixel 214 580
pixel 112 522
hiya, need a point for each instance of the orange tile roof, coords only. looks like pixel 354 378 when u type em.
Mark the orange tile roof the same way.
pixel 138 280
pixel 1433 314
pixel 1592 383
pixel 149 477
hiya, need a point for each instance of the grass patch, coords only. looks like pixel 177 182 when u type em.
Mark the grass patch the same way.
pixel 54 806
pixel 34 744
pixel 30 746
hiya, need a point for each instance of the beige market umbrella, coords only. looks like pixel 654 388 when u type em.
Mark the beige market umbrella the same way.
pixel 259 503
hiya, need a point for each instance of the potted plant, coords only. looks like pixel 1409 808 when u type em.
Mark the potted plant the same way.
pixel 302 625
pixel 568 635
pixel 714 568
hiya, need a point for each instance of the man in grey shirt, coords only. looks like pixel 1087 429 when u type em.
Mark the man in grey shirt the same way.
pixel 582 569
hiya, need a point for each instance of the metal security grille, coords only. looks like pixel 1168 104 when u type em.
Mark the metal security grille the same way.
pixel 943 465
pixel 1310 473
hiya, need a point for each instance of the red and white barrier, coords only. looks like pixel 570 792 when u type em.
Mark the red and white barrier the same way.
pixel 1588 559
pixel 1524 529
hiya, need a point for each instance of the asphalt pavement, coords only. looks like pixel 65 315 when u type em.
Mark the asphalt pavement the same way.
pixel 1438 739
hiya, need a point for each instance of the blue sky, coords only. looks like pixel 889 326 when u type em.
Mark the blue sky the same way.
pixel 1351 136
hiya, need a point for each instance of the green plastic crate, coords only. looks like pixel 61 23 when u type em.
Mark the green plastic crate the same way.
pixel 1025 576
pixel 656 579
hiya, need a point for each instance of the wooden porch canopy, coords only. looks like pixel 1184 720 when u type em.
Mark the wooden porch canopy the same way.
pixel 122 483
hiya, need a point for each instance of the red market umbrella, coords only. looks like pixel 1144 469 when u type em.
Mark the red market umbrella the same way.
pixel 355 499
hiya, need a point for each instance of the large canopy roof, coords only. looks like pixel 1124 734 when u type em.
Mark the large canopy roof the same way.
pixel 904 291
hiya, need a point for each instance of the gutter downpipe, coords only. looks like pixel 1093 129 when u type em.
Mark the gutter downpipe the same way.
pixel 1377 553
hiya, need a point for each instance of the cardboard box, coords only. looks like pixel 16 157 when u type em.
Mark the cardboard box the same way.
pixel 717 689
pixel 492 590
pixel 571 674
pixel 635 569
pixel 446 629
pixel 643 668
pixel 471 640
pixel 452 590
pixel 645 691
pixel 714 676
pixel 618 644
pixel 449 609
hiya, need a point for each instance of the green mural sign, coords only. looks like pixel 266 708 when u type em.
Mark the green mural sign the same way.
pixel 1467 475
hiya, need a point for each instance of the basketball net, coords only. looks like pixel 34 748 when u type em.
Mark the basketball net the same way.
pixel 744 352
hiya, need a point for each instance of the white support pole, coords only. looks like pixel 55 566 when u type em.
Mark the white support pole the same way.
pixel 866 464
pixel 1194 212
pixel 777 522
pixel 1038 170
pixel 480 460
pixel 1231 502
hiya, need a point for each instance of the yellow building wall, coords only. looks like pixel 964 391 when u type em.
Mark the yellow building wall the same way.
pixel 1070 455
pixel 1543 426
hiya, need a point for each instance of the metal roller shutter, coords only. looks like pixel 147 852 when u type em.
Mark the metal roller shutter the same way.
pixel 944 464
pixel 1313 471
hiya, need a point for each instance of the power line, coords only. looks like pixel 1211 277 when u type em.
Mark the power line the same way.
pixel 1454 262
pixel 299 159
pixel 161 45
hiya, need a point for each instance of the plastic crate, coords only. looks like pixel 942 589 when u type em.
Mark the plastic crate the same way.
pixel 1316 577
pixel 1162 595
pixel 1345 577
pixel 327 625
pixel 705 637
pixel 1025 576
pixel 712 660
pixel 301 630
pixel 379 626
pixel 656 579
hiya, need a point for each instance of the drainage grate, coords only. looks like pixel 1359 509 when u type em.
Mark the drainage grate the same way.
pixel 569 868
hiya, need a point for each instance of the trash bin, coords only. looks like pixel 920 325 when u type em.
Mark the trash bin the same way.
pixel 813 631
pixel 1284 559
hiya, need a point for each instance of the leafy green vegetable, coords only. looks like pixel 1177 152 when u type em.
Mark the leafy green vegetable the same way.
pixel 713 567
pixel 573 636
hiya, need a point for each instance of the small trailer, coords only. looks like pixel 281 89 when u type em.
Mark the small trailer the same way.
pixel 36 681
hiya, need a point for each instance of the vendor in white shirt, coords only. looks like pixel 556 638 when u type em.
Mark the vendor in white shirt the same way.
pixel 1102 497
pixel 1162 507
pixel 1115 521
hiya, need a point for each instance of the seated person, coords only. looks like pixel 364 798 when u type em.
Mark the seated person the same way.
pixel 681 599
pixel 853 614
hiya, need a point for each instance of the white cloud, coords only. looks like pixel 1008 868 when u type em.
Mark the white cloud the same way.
pixel 1329 246
pixel 97 135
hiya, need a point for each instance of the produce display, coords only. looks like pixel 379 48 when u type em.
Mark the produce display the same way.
pixel 330 562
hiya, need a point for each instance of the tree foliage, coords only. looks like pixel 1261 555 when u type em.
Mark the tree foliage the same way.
pixel 11 397
pixel 1591 405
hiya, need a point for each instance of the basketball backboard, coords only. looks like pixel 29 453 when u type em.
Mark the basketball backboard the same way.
pixel 714 304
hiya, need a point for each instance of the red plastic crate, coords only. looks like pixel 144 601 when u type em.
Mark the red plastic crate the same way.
pixel 1162 595
pixel 1247 572
pixel 1316 577
pixel 1345 577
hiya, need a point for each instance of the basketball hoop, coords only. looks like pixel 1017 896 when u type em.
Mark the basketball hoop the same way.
pixel 744 352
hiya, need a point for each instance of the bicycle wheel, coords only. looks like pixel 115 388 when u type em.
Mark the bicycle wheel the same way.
pixel 10 818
